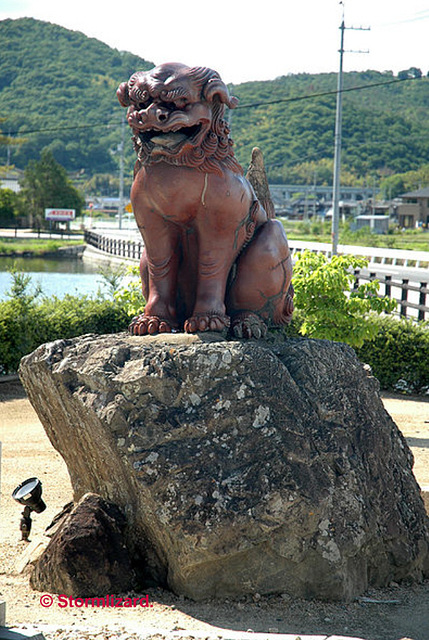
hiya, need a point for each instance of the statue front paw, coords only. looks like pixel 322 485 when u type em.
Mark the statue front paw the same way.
pixel 149 325
pixel 248 325
pixel 210 321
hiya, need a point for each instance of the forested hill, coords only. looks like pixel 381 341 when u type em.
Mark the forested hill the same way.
pixel 385 125
pixel 58 90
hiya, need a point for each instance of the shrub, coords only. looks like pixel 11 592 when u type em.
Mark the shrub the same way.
pixel 26 321
pixel 329 309
pixel 398 354
pixel 396 349
pixel 130 296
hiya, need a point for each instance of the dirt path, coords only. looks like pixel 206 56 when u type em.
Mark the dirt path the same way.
pixel 27 452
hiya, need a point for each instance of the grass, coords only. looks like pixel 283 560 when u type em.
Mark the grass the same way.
pixel 35 246
pixel 411 240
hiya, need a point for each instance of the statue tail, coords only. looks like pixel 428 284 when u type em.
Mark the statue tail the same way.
pixel 257 177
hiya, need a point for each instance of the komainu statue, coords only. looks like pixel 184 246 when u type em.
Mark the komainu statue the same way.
pixel 214 258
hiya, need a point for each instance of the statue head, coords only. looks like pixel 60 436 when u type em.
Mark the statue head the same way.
pixel 176 113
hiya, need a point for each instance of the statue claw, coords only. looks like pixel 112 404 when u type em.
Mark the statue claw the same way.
pixel 248 325
pixel 148 325
pixel 210 321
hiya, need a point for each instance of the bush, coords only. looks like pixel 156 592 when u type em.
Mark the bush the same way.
pixel 397 350
pixel 130 296
pixel 398 354
pixel 26 322
pixel 330 310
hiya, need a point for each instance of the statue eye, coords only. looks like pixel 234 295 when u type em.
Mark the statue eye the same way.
pixel 139 97
pixel 174 99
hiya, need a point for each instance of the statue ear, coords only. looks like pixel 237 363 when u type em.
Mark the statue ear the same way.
pixel 211 85
pixel 216 87
pixel 123 95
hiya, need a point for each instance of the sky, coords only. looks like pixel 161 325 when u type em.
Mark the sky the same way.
pixel 249 39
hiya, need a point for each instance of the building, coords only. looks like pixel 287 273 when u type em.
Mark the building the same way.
pixel 413 211
pixel 376 223
pixel 9 179
pixel 304 201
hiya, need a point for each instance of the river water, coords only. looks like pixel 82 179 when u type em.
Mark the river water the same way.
pixel 57 277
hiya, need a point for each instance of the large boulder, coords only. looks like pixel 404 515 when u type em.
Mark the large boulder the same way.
pixel 240 466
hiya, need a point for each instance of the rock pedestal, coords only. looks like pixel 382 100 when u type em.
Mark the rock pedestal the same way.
pixel 240 466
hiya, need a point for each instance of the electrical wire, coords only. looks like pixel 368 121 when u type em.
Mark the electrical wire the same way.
pixel 311 96
pixel 346 149
pixel 325 93
pixel 24 132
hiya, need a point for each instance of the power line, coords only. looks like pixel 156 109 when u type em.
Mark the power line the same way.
pixel 325 93
pixel 418 17
pixel 311 96
pixel 70 128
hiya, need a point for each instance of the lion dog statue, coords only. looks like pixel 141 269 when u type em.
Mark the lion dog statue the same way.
pixel 213 258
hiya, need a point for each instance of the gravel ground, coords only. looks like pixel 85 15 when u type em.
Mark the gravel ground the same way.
pixel 390 614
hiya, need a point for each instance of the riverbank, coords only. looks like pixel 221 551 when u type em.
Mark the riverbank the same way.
pixel 39 247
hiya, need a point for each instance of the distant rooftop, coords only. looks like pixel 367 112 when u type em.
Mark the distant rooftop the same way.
pixel 420 193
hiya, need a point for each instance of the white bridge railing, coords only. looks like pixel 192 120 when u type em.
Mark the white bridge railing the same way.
pixel 412 297
pixel 375 255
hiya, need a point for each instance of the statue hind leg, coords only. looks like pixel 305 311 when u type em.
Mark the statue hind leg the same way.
pixel 260 293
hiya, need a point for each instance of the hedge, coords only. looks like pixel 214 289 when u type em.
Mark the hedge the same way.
pixel 399 354
pixel 26 324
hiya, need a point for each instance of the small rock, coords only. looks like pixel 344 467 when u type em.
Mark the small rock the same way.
pixel 86 556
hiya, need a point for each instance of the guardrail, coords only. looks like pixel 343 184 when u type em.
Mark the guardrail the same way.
pixel 375 255
pixel 407 308
pixel 412 300
pixel 114 246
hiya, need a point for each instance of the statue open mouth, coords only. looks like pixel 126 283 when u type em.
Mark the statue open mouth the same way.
pixel 171 139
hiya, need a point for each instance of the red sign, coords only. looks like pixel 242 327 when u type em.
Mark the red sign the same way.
pixel 60 215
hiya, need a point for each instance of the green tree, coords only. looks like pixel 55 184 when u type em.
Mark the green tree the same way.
pixel 9 206
pixel 399 183
pixel 46 185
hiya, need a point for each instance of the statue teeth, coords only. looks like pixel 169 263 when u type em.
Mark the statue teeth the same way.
pixel 169 139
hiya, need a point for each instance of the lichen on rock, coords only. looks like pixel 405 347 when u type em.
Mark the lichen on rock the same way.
pixel 240 466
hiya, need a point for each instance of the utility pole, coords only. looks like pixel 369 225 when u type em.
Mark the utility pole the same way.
pixel 121 147
pixel 8 151
pixel 337 150
pixel 337 140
